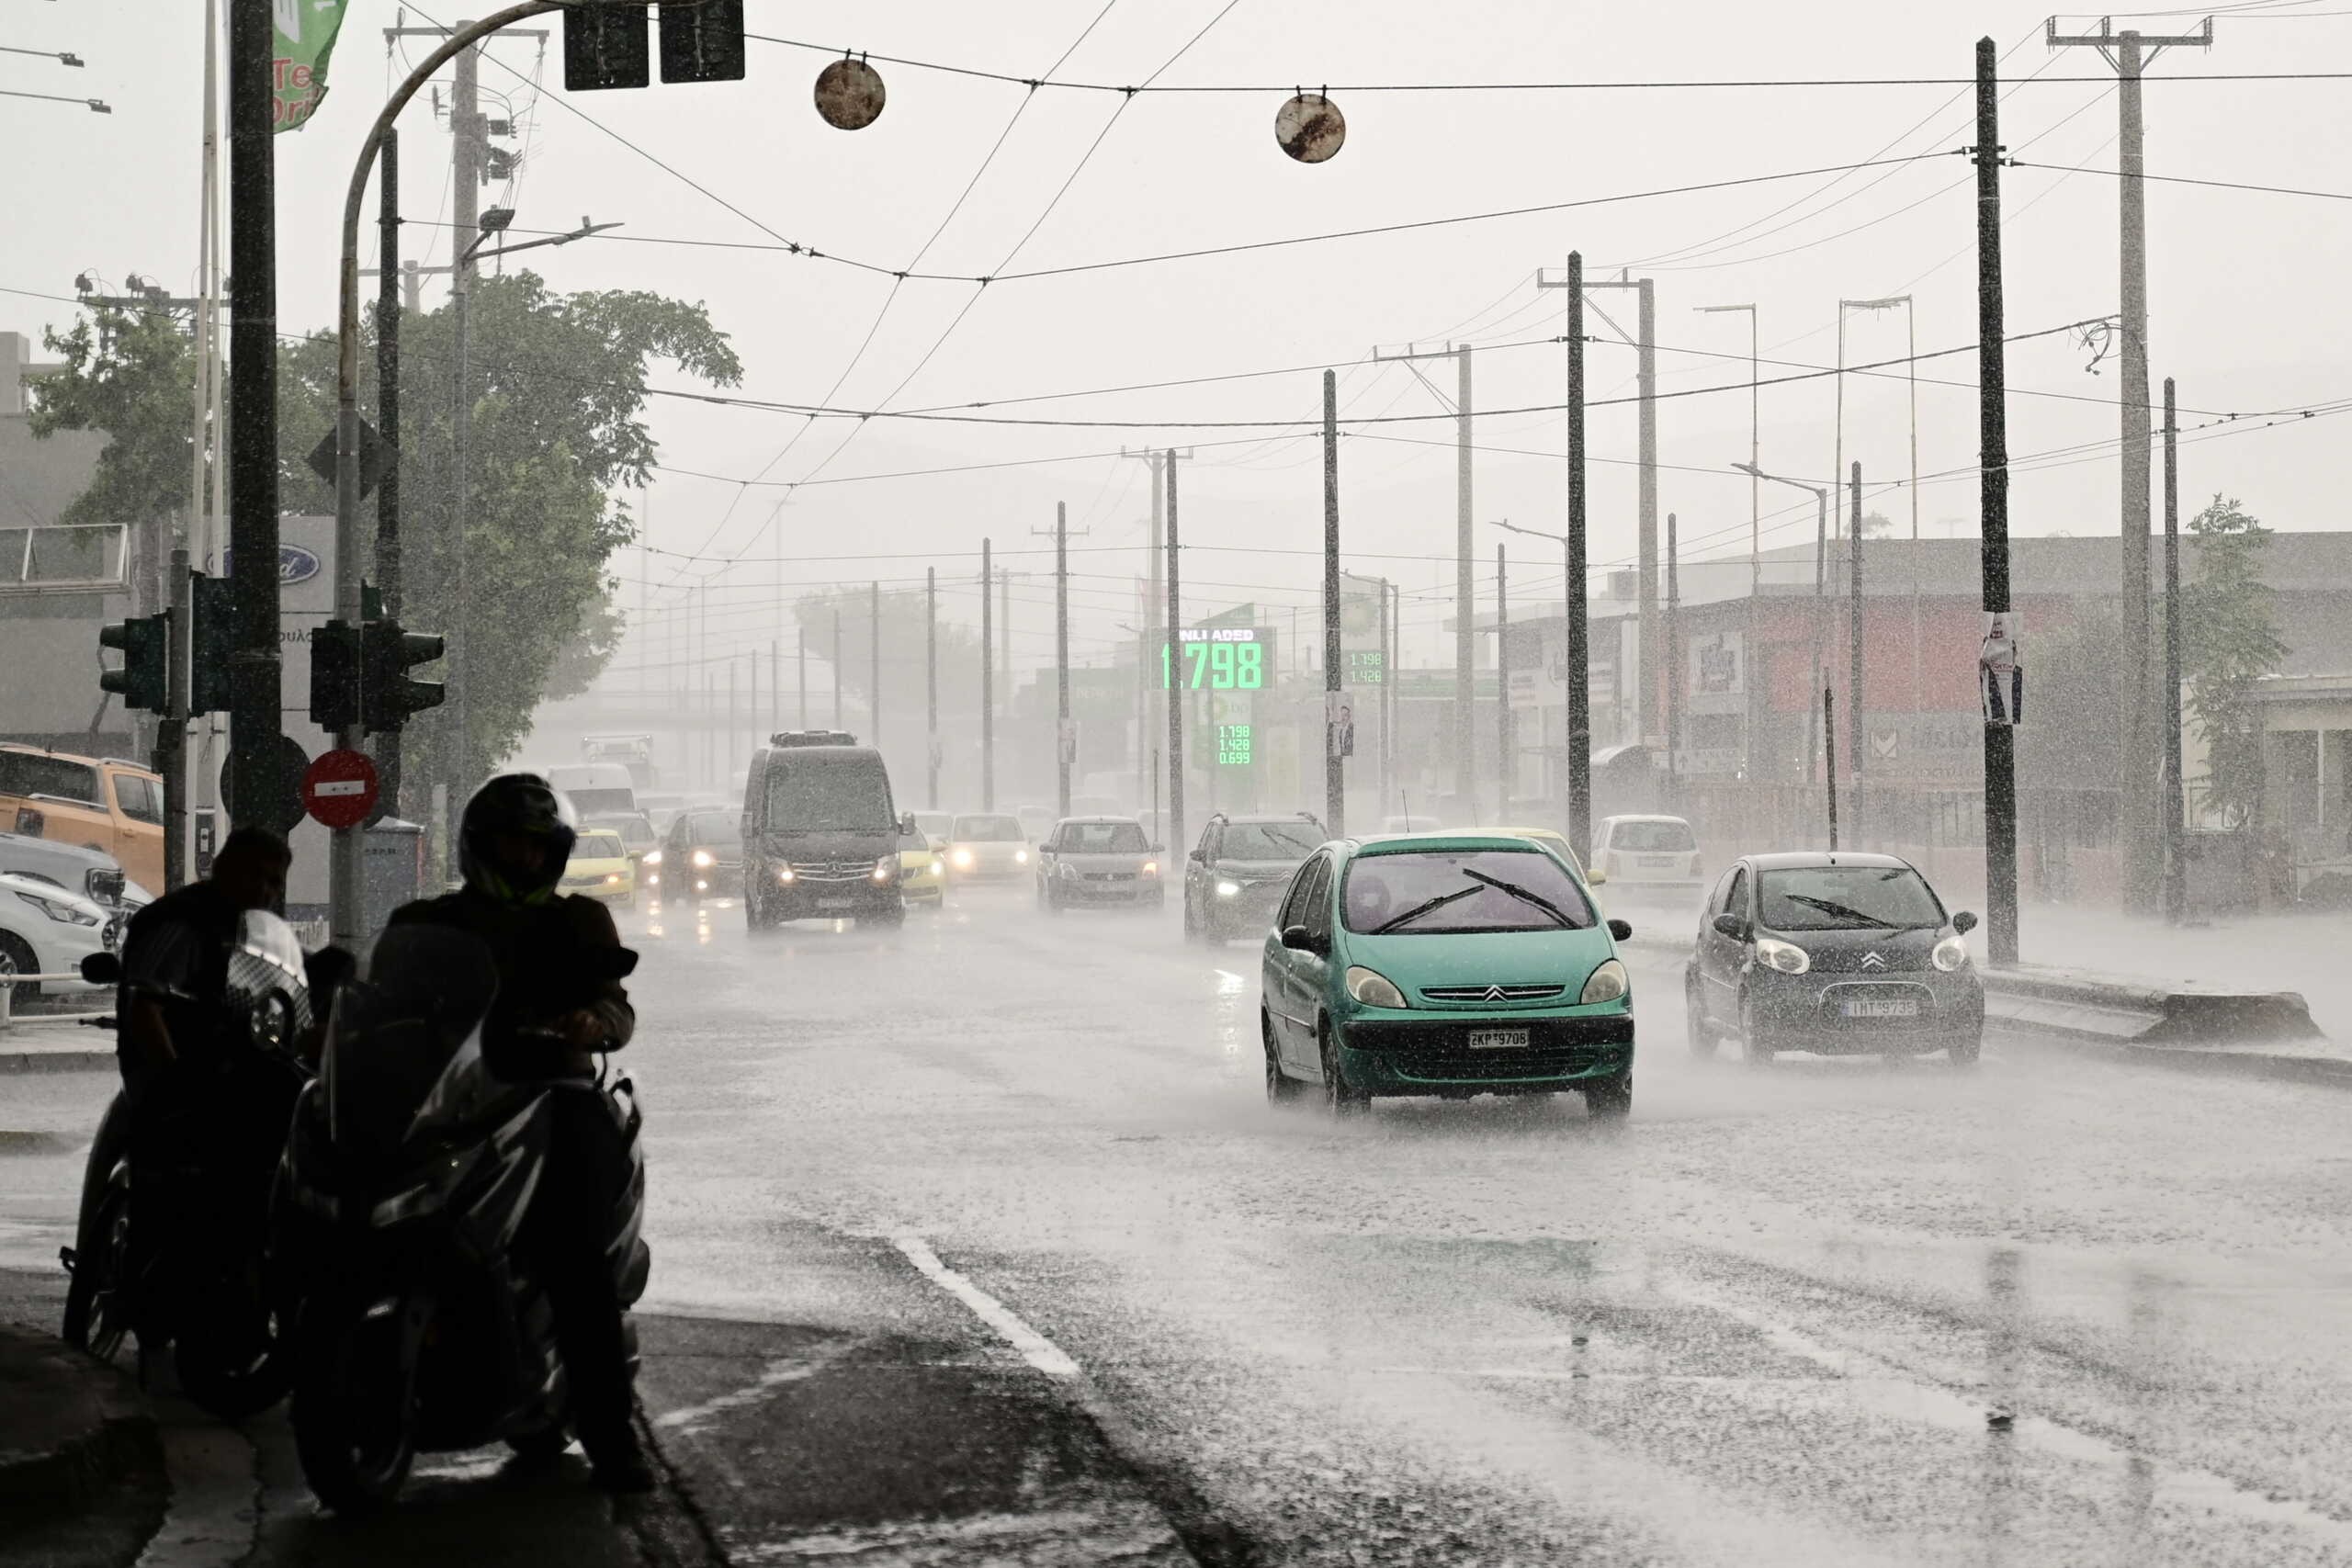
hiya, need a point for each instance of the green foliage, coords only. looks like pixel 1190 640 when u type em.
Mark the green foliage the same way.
pixel 2229 640
pixel 559 391
pixel 130 373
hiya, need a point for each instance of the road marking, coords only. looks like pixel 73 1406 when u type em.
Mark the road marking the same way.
pixel 1895 1393
pixel 790 1368
pixel 1035 1349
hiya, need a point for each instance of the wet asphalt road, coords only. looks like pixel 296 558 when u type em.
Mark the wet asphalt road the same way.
pixel 977 1242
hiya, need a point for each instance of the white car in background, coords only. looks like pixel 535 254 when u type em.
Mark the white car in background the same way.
pixel 988 846
pixel 45 930
pixel 1653 856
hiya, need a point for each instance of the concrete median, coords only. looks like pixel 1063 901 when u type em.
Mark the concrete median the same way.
pixel 2120 1011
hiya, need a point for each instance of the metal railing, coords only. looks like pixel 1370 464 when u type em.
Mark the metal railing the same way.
pixel 8 998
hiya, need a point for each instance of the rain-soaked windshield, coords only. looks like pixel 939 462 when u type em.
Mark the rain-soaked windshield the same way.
pixel 1100 838
pixel 1269 840
pixel 1846 897
pixel 1462 890
pixel 986 830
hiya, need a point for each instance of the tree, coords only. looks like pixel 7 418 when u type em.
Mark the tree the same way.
pixel 132 374
pixel 1877 525
pixel 559 390
pixel 2229 640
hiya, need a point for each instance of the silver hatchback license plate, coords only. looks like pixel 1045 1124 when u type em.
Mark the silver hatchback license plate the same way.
pixel 1881 1006
pixel 1498 1040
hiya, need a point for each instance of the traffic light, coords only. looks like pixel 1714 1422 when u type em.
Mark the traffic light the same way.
pixel 605 46
pixel 334 676
pixel 703 41
pixel 207 677
pixel 143 680
pixel 387 695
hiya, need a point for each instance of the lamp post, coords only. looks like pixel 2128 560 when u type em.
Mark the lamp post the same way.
pixel 1820 559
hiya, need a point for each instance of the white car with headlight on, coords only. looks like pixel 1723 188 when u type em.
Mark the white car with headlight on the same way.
pixel 989 846
pixel 45 930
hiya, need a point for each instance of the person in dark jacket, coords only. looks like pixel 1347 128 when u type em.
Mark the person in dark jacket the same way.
pixel 555 1009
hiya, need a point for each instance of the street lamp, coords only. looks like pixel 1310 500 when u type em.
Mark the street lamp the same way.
pixel 1577 722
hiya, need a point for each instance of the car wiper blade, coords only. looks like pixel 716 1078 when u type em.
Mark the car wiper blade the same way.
pixel 1418 910
pixel 1831 906
pixel 1525 896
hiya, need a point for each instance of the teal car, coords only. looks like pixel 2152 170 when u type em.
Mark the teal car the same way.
pixel 1445 964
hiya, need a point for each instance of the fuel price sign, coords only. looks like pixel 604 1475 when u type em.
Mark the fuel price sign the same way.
pixel 1218 658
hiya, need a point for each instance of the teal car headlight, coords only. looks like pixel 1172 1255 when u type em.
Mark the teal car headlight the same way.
pixel 1375 989
pixel 1606 983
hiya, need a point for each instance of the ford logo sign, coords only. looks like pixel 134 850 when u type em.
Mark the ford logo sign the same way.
pixel 294 564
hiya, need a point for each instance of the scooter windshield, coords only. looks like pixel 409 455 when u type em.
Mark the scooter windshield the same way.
pixel 397 1031
pixel 267 984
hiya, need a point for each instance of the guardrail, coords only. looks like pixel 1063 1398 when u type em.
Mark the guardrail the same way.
pixel 8 998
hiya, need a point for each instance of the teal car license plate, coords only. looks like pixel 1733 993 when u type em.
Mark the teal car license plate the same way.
pixel 1498 1040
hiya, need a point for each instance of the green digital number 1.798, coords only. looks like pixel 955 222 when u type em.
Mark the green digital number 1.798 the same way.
pixel 1220 666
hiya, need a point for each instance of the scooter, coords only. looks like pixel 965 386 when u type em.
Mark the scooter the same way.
pixel 407 1177
pixel 185 1265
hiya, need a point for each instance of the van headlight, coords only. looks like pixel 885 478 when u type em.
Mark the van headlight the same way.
pixel 1952 954
pixel 1375 989
pixel 886 868
pixel 783 874
pixel 1606 983
pixel 1785 956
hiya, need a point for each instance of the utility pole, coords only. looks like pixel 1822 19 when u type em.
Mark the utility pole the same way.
pixel 255 729
pixel 1673 664
pixel 2176 872
pixel 1464 608
pixel 930 685
pixel 2130 52
pixel 837 661
pixel 1829 758
pixel 1175 705
pixel 1004 635
pixel 464 217
pixel 874 665
pixel 1578 657
pixel 988 689
pixel 388 418
pixel 1503 757
pixel 1335 767
pixel 1992 461
pixel 1151 719
pixel 1859 746
pixel 1750 661
pixel 1645 341
pixel 1065 738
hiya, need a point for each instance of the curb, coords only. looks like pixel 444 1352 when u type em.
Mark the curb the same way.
pixel 104 1432
pixel 76 1061
pixel 2274 1066
pixel 2124 1011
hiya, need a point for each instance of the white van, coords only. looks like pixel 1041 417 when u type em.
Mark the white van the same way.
pixel 594 789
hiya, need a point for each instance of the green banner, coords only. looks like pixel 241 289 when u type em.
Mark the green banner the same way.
pixel 306 31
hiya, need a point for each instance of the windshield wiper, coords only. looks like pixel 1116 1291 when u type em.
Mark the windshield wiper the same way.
pixel 1418 910
pixel 1523 895
pixel 1829 907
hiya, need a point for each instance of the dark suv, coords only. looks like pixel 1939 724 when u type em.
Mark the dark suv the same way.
pixel 1235 877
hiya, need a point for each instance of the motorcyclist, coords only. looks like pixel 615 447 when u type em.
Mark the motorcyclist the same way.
pixel 552 1013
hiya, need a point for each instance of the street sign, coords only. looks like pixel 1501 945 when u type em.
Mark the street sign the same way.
pixel 371 459
pixel 283 810
pixel 339 789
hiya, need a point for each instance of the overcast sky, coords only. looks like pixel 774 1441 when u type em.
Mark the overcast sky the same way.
pixel 2247 307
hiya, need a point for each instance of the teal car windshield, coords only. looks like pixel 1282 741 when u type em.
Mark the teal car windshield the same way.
pixel 1435 891
pixel 1847 898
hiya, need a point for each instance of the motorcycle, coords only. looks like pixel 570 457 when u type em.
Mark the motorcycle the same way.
pixel 171 1238
pixel 407 1177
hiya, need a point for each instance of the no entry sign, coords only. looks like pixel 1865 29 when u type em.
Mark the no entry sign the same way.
pixel 339 789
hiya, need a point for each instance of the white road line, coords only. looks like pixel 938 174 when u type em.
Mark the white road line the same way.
pixel 775 1375
pixel 1035 1349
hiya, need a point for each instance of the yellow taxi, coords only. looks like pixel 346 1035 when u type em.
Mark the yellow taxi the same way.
pixel 923 869
pixel 600 869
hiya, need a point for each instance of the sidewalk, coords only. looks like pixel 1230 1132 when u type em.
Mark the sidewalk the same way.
pixel 80 1464
pixel 32 1043
pixel 2304 953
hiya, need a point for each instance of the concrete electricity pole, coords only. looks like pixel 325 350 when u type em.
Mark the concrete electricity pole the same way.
pixel 988 690
pixel 874 666
pixel 1993 464
pixel 1175 705
pixel 1645 341
pixel 2131 52
pixel 1335 767
pixel 1065 738
pixel 1464 610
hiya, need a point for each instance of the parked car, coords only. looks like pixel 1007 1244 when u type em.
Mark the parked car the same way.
pixel 922 867
pixel 1236 874
pixel 99 803
pixel 48 930
pixel 1098 859
pixel 822 836
pixel 93 874
pixel 1835 954
pixel 1452 964
pixel 600 867
pixel 988 846
pixel 1648 857
pixel 702 858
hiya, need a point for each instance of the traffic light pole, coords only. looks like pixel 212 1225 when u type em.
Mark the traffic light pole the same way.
pixel 171 735
pixel 343 885
pixel 255 722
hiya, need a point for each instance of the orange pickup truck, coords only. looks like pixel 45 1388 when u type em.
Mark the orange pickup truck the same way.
pixel 99 803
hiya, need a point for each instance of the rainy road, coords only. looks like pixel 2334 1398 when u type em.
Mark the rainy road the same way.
pixel 1003 1192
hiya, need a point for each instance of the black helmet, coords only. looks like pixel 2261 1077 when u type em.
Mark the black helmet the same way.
pixel 515 803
